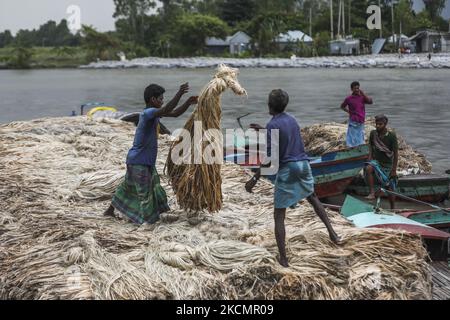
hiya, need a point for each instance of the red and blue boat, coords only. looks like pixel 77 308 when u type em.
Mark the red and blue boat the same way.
pixel 333 172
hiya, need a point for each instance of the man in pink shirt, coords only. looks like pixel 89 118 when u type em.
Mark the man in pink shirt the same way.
pixel 355 106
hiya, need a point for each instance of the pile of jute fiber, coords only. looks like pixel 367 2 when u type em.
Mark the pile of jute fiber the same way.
pixel 57 177
pixel 326 137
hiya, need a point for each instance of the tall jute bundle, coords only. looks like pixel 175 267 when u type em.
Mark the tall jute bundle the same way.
pixel 203 179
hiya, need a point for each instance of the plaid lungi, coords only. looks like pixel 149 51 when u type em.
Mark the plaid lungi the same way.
pixel 140 197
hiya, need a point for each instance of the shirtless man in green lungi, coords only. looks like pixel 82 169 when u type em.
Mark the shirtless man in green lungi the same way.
pixel 140 197
pixel 383 158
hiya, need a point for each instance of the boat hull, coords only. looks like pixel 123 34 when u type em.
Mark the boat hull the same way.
pixel 333 172
pixel 433 218
pixel 396 222
pixel 428 188
pixel 332 188
pixel 363 216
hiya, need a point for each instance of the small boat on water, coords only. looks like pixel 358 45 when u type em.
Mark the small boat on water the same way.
pixel 333 171
pixel 425 187
pixel 102 110
pixel 364 215
pixel 437 218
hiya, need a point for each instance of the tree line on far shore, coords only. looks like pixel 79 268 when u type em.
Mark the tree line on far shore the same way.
pixel 179 27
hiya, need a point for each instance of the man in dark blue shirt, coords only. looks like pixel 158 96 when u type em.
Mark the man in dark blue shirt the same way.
pixel 140 197
pixel 290 144
pixel 294 180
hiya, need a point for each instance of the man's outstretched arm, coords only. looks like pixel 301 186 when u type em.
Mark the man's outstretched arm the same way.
pixel 179 111
pixel 168 108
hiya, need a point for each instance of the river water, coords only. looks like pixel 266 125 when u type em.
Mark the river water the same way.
pixel 416 101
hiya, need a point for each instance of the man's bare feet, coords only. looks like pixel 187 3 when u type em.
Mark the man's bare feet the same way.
pixel 284 262
pixel 109 212
pixel 371 196
pixel 194 220
pixel 335 238
pixel 169 217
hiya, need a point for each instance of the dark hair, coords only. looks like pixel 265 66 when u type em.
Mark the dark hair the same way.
pixel 354 84
pixel 381 117
pixel 278 100
pixel 153 91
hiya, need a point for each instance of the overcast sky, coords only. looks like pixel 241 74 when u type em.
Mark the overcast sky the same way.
pixel 30 14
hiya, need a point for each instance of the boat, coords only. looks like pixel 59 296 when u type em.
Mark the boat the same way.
pixel 333 171
pixel 102 110
pixel 363 215
pixel 424 187
pixel 437 218
pixel 96 107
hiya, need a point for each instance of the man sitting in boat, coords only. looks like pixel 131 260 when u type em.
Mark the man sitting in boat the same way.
pixel 140 197
pixel 294 180
pixel 383 158
pixel 355 106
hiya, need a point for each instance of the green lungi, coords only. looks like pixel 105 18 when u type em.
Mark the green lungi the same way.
pixel 140 197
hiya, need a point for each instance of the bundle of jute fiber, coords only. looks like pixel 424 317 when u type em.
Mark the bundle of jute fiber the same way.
pixel 326 137
pixel 203 179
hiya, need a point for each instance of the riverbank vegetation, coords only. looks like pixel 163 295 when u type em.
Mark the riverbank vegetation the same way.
pixel 42 57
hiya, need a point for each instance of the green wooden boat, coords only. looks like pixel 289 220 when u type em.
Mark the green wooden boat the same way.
pixel 434 218
pixel 364 215
pixel 332 172
pixel 425 187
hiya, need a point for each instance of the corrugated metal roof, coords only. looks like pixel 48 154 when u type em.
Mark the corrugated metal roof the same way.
pixel 402 37
pixel 293 36
pixel 218 42
pixel 428 32
pixel 417 35
pixel 214 42
pixel 240 36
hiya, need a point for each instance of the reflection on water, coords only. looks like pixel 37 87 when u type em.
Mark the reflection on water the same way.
pixel 417 101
